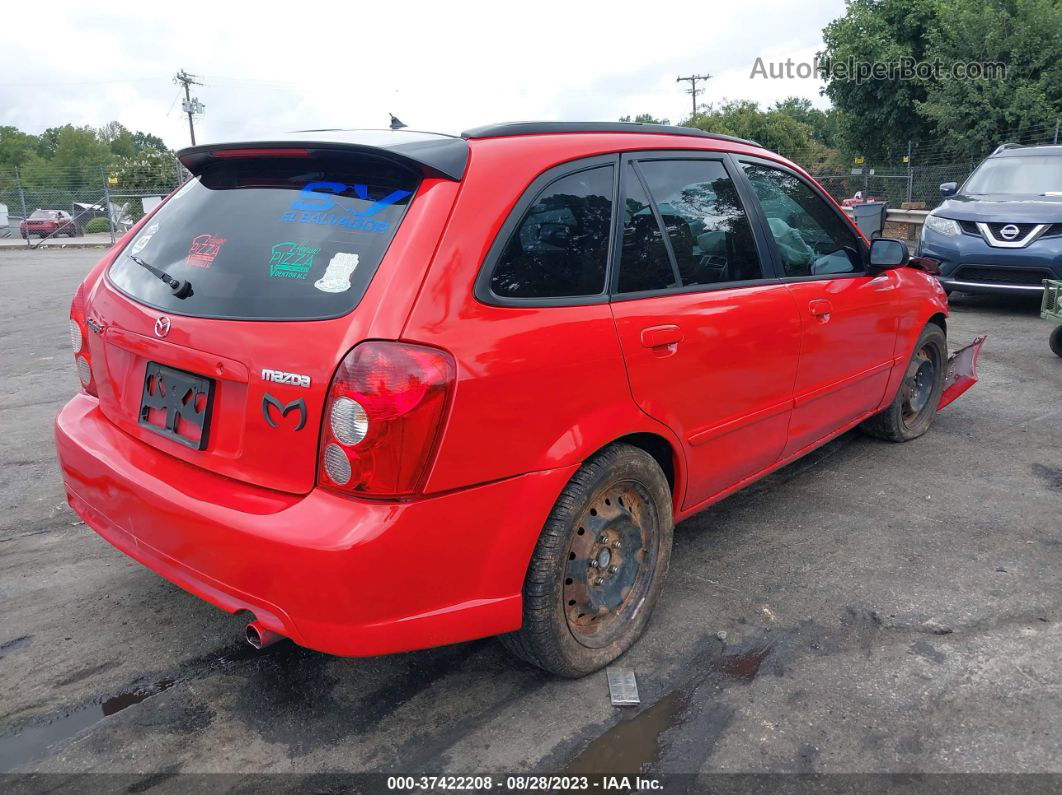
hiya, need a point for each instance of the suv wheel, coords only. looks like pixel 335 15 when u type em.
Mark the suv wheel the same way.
pixel 599 565
pixel 912 410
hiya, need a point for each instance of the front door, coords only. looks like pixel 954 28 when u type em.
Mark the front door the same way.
pixel 710 338
pixel 849 318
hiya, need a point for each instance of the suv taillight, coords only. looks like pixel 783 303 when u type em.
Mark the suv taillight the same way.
pixel 79 341
pixel 383 416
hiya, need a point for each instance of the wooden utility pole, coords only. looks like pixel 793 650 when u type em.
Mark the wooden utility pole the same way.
pixel 692 90
pixel 191 106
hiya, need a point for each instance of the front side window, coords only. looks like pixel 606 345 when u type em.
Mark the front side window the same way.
pixel 812 240
pixel 711 237
pixel 560 247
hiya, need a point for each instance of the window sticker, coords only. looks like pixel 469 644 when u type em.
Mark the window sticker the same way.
pixel 336 278
pixel 291 260
pixel 203 250
pixel 316 204
pixel 145 237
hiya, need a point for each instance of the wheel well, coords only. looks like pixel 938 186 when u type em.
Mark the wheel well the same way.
pixel 656 446
pixel 941 321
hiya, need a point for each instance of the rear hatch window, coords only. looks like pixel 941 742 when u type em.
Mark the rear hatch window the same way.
pixel 278 235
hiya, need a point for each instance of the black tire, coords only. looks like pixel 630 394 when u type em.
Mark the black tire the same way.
pixel 912 410
pixel 575 621
pixel 1055 341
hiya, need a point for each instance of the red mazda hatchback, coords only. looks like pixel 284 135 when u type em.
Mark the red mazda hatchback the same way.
pixel 390 390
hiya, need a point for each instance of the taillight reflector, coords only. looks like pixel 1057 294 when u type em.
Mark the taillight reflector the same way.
pixel 385 410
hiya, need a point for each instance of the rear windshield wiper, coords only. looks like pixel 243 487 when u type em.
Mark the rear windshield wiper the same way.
pixel 181 288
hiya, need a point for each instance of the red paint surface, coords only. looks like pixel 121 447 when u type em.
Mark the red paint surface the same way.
pixel 736 382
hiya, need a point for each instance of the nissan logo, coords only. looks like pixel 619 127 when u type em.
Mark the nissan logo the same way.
pixel 162 326
pixel 1009 232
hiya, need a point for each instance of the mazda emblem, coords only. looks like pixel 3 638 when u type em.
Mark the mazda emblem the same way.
pixel 268 401
pixel 1009 232
pixel 162 326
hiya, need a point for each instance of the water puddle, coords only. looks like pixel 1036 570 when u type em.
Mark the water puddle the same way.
pixel 32 742
pixel 628 746
pixel 29 744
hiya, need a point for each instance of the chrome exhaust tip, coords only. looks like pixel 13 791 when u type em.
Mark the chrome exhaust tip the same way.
pixel 260 637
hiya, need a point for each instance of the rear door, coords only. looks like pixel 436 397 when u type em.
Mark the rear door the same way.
pixel 710 337
pixel 849 318
pixel 278 250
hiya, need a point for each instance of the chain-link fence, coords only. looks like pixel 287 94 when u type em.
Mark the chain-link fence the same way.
pixel 916 175
pixel 38 205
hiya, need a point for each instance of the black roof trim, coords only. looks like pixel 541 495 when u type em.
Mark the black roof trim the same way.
pixel 443 155
pixel 548 127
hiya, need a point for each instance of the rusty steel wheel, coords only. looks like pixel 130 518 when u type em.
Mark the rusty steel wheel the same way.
pixel 912 410
pixel 610 562
pixel 599 564
pixel 919 383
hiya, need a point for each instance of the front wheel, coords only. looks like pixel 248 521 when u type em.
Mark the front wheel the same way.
pixel 912 410
pixel 599 565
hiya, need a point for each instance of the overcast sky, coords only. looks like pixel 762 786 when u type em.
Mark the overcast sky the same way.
pixel 439 66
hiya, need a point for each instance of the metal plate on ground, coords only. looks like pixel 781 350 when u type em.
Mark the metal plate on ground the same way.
pixel 623 687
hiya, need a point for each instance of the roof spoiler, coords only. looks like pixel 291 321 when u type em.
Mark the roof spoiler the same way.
pixel 441 156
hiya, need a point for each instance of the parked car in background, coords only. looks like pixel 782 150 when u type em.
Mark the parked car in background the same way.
pixel 1002 231
pixel 49 223
pixel 390 390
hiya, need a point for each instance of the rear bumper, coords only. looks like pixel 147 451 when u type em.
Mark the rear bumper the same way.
pixel 346 577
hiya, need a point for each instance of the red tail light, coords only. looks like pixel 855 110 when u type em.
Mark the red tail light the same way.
pixel 383 417
pixel 79 341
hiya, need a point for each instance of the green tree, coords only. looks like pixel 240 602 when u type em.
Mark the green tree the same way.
pixel 878 116
pixel 824 124
pixel 645 118
pixel 144 141
pixel 118 139
pixel 773 129
pixel 976 115
pixel 149 171
pixel 963 117
pixel 16 147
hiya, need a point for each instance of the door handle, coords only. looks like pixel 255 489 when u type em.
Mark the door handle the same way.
pixel 820 309
pixel 661 336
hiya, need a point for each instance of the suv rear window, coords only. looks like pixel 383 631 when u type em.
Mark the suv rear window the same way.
pixel 296 237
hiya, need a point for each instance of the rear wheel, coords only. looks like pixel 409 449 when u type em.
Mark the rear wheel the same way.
pixel 912 410
pixel 1055 341
pixel 599 565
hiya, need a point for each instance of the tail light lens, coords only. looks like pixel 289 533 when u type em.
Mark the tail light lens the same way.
pixel 383 417
pixel 79 342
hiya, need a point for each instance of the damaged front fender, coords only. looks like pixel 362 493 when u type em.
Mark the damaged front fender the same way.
pixel 962 371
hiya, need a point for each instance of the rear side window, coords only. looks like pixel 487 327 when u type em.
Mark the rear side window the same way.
pixel 278 238
pixel 644 264
pixel 560 247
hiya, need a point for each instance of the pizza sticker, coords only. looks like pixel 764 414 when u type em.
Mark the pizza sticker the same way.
pixel 291 260
pixel 203 250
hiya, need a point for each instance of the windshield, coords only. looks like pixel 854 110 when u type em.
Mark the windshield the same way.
pixel 47 215
pixel 1036 174
pixel 294 237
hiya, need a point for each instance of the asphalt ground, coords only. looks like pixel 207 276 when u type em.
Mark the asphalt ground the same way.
pixel 871 608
